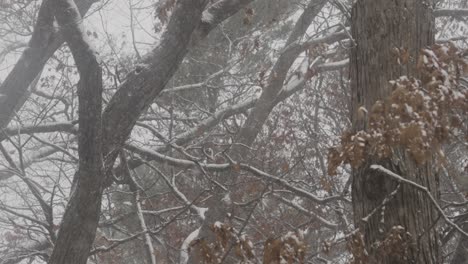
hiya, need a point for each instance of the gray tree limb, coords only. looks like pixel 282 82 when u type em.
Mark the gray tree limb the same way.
pixel 44 42
pixel 79 223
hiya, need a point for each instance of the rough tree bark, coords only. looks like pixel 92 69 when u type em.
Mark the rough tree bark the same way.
pixel 79 223
pixel 378 27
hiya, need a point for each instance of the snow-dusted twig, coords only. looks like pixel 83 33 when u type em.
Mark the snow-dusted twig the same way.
pixel 451 12
pixel 197 85
pixel 37 156
pixel 227 166
pixel 184 249
pixel 144 228
pixel 423 189
pixel 172 185
pixel 309 213
pixel 387 199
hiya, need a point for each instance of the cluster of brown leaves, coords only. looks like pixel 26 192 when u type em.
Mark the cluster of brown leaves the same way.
pixel 227 239
pixel 356 246
pixel 395 244
pixel 289 248
pixel 419 114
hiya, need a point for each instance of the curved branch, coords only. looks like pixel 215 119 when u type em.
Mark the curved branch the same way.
pixel 79 223
pixel 44 42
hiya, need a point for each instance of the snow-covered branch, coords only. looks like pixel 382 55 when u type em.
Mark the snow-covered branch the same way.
pixel 218 12
pixel 301 209
pixel 40 128
pixel 185 248
pixel 333 66
pixel 144 228
pixel 423 189
pixel 37 156
pixel 182 163
pixel 451 12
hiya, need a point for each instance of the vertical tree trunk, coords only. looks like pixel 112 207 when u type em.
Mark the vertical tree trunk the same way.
pixel 379 27
pixel 80 220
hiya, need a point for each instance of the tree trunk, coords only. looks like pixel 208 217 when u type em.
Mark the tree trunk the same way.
pixel 44 42
pixel 379 27
pixel 80 220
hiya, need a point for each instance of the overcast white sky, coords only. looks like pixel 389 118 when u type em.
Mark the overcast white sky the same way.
pixel 111 20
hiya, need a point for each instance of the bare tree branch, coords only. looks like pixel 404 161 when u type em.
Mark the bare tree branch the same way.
pixel 451 13
pixel 44 42
pixel 423 189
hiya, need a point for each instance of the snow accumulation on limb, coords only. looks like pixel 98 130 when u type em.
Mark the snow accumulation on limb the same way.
pixel 37 156
pixel 300 46
pixel 162 211
pixel 227 166
pixel 301 209
pixel 184 249
pixel 451 12
pixel 328 39
pixel 218 12
pixel 161 63
pixel 195 85
pixel 333 66
pixel 267 100
pixel 423 189
pixel 457 38
pixel 41 128
pixel 298 80
pixel 240 107
pixel 144 228
pixel 214 119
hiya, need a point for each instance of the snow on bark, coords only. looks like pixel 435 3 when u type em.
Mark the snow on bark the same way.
pixel 184 249
pixel 227 166
pixel 207 17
